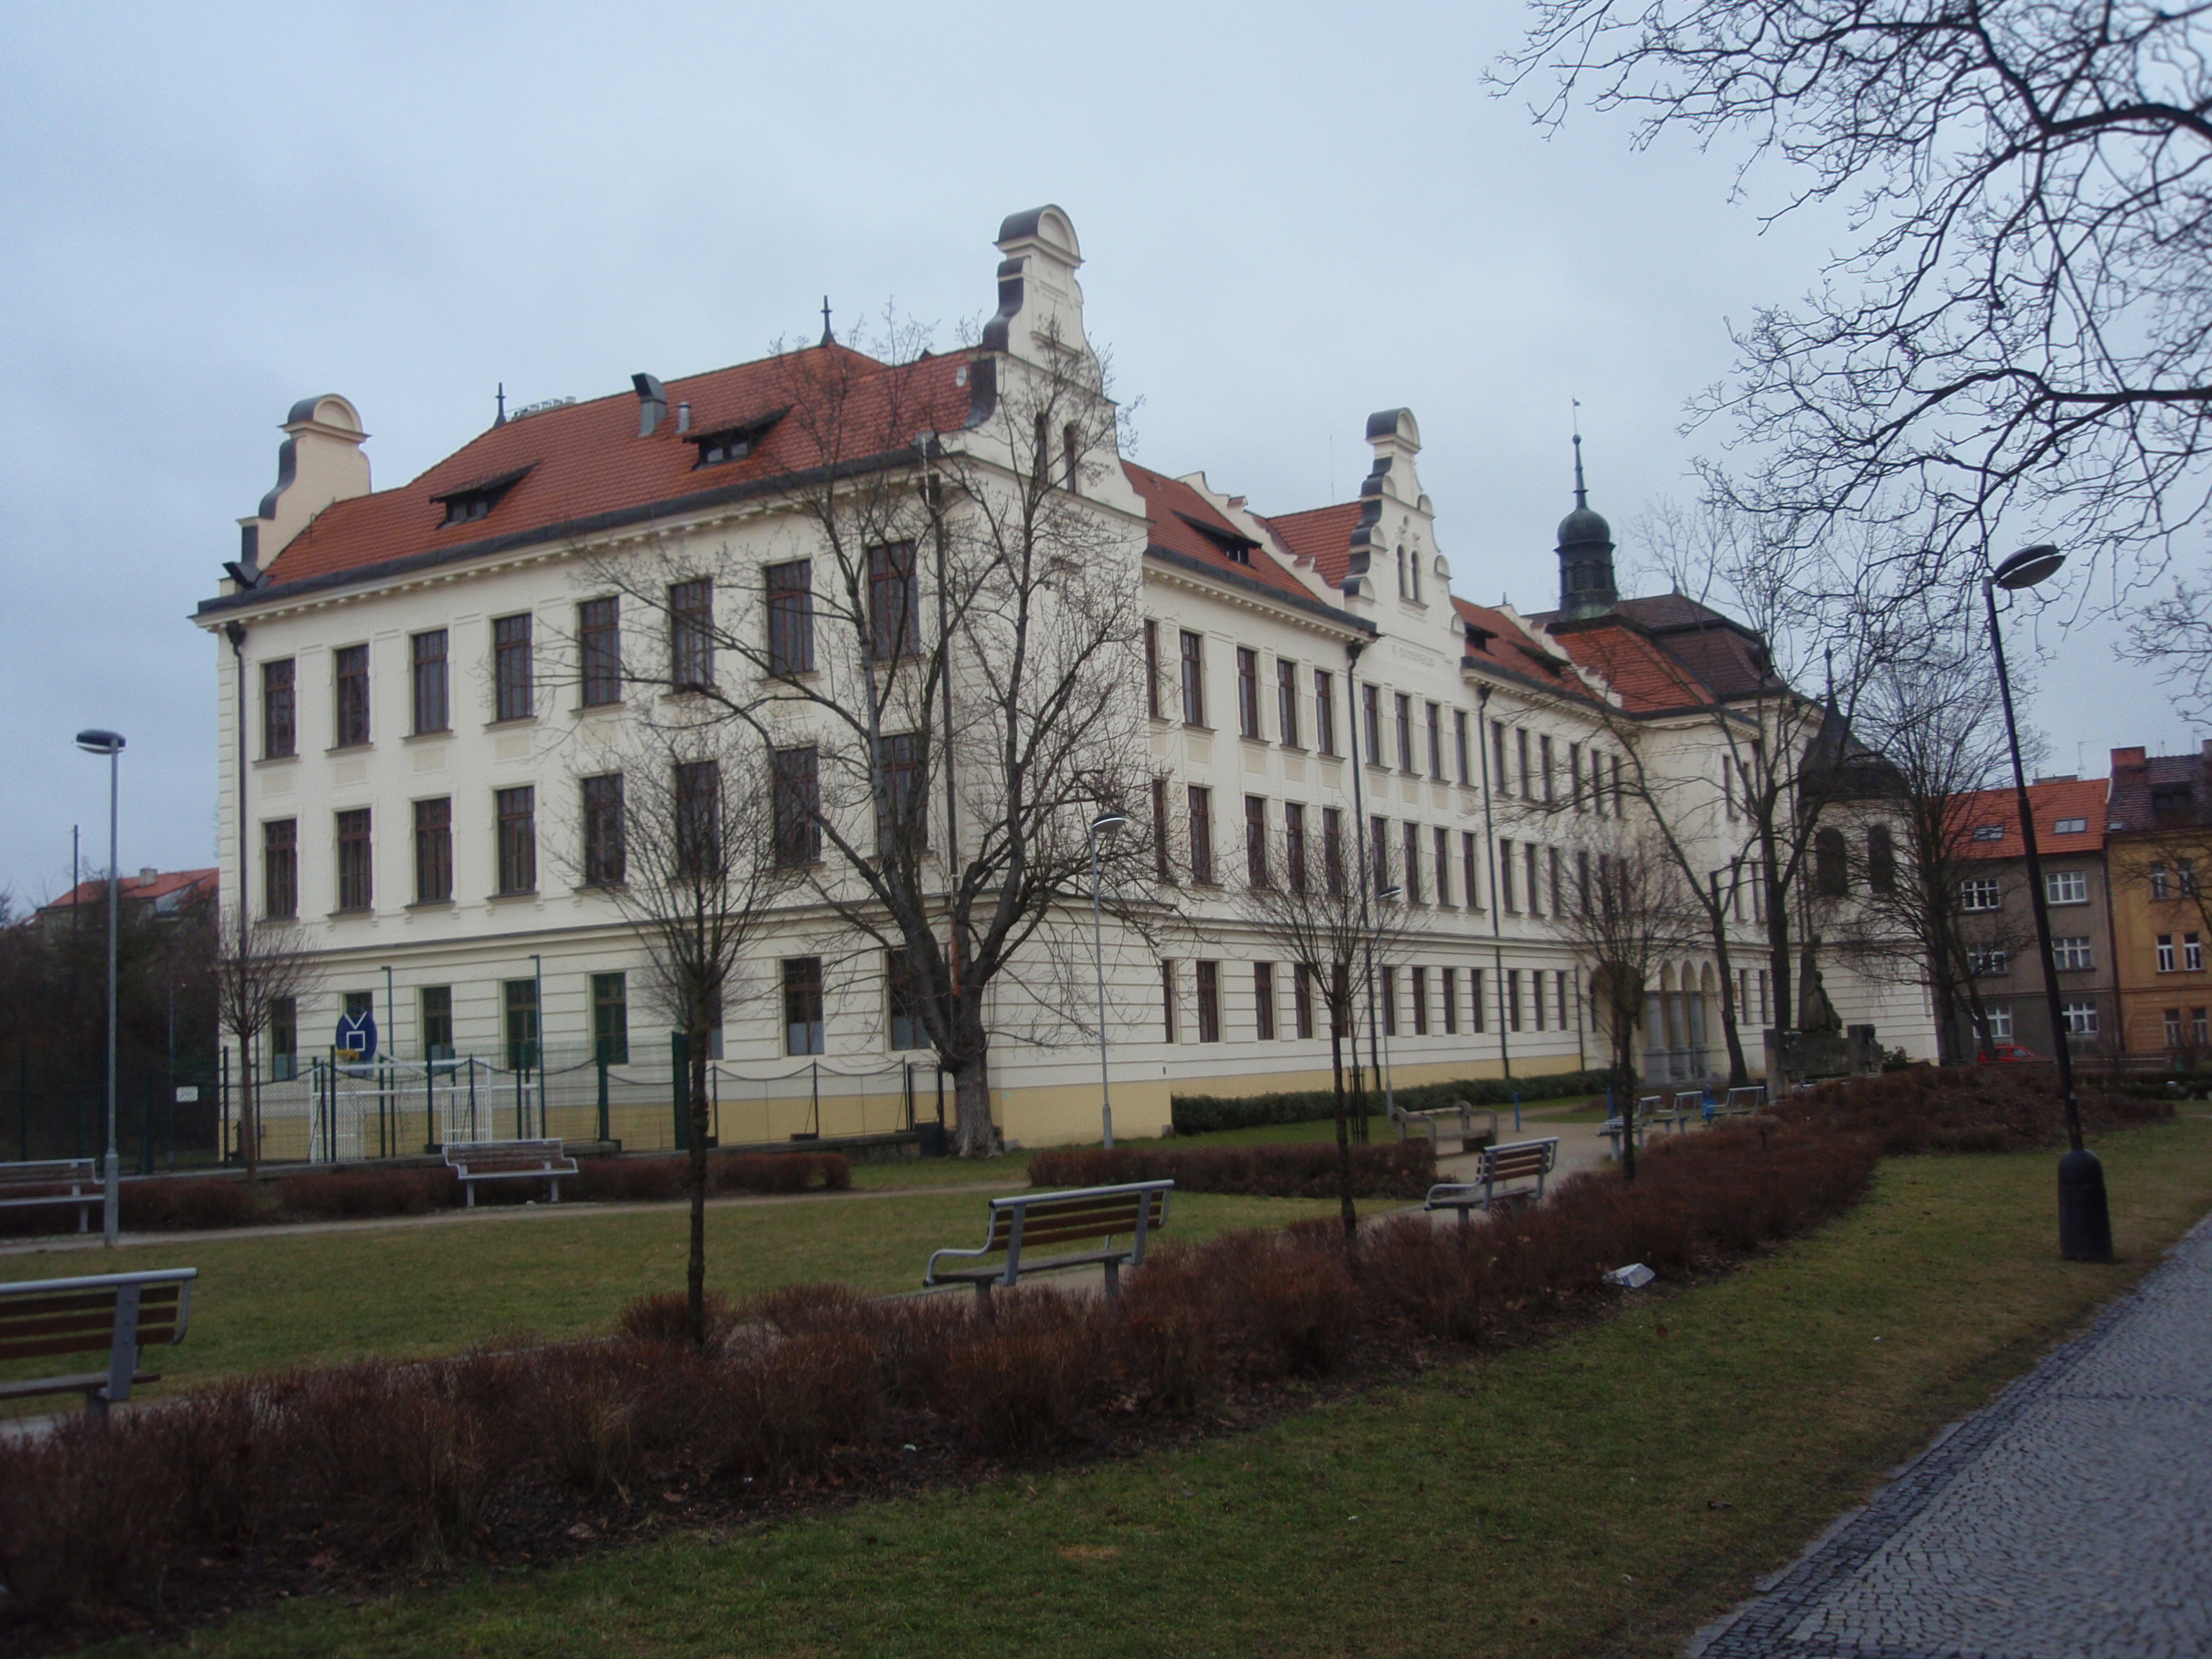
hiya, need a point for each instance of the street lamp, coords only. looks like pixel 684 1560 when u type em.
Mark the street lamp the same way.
pixel 2085 1222
pixel 110 743
pixel 1103 822
pixel 1390 1087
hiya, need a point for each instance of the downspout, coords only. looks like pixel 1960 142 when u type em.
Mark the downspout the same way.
pixel 235 632
pixel 1497 922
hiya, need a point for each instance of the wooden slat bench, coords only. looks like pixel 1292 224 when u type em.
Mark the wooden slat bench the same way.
pixel 1139 1208
pixel 510 1160
pixel 121 1312
pixel 1741 1102
pixel 1432 1123
pixel 1517 1160
pixel 1613 1128
pixel 55 1183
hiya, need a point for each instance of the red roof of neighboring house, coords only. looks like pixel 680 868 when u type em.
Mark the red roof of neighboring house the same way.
pixel 140 889
pixel 1321 534
pixel 1181 520
pixel 1645 676
pixel 582 460
pixel 2050 803
pixel 1515 646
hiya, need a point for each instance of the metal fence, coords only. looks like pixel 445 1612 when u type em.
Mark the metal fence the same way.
pixel 166 1118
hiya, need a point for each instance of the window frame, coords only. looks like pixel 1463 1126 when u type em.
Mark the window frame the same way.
pixel 514 687
pixel 1286 702
pixel 1192 658
pixel 894 601
pixel 606 856
pixel 356 832
pixel 599 640
pixel 280 708
pixel 433 824
pixel 1324 713
pixel 349 679
pixel 514 814
pixel 787 596
pixel 280 855
pixel 805 1021
pixel 1248 693
pixel 430 683
pixel 691 635
pixel 795 804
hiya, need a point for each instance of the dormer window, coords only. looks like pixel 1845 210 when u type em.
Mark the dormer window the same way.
pixel 2070 827
pixel 476 501
pixel 2169 800
pixel 1236 548
pixel 733 443
pixel 1988 832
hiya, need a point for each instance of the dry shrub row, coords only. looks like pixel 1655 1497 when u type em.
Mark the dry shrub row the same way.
pixel 388 1465
pixel 1299 1169
pixel 635 1180
pixel 1961 1108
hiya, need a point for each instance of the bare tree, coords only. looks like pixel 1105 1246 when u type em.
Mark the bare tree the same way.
pixel 257 965
pixel 1633 911
pixel 2018 327
pixel 941 653
pixel 677 830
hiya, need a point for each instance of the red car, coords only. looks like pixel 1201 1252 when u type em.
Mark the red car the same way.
pixel 2008 1053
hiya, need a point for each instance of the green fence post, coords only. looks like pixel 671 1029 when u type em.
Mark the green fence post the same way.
pixel 679 1049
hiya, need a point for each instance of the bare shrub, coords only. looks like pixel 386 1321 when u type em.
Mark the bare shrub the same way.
pixel 1022 1378
pixel 1295 1169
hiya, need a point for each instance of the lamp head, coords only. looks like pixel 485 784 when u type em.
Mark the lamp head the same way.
pixel 1108 820
pixel 1390 892
pixel 2028 567
pixel 99 743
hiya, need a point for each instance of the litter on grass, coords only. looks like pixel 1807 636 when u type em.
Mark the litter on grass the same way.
pixel 1634 1276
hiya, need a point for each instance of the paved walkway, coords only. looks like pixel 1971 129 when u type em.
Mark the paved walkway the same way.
pixel 2070 1519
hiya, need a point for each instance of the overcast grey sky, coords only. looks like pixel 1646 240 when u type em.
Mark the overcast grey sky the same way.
pixel 1291 216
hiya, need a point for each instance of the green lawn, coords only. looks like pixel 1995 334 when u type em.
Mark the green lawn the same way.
pixel 412 1288
pixel 1555 1501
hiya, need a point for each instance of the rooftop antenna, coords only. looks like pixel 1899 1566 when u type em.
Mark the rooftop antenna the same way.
pixel 828 338
pixel 501 420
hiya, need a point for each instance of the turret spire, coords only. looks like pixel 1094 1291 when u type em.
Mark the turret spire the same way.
pixel 1586 583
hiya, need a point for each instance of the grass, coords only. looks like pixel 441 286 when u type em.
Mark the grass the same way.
pixel 1558 1500
pixel 409 1289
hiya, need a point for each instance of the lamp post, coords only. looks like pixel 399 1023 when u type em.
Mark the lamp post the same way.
pixel 1391 1006
pixel 110 743
pixel 2085 1222
pixel 1103 822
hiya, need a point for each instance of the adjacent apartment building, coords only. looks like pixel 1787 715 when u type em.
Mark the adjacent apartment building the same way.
pixel 428 690
pixel 2159 834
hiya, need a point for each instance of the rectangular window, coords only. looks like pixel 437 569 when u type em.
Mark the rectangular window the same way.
pixel 903 1003
pixel 599 639
pixel 1552 856
pixel 1979 893
pixel 1544 750
pixel 1370 713
pixel 606 858
pixel 1168 999
pixel 2173 1027
pixel 894 602
pixel 1536 995
pixel 1194 678
pixel 1459 743
pixel 2166 953
pixel 1512 998
pixel 280 732
pixel 1440 840
pixel 279 869
pixel 1161 870
pixel 1448 1000
pixel 1248 692
pixel 2081 1018
pixel 610 1019
pixel 515 696
pixel 1331 847
pixel 1263 1000
pixel 1477 1012
pixel 1405 712
pixel 2193 953
pixel 795 786
pixel 433 850
pixel 1616 808
pixel 436 1002
pixel 692 635
pixel 1324 712
pixel 1766 1005
pixel 1200 801
pixel 802 1005
pixel 1521 754
pixel 521 1006
pixel 1388 977
pixel 1256 841
pixel 356 891
pixel 1294 846
pixel 1436 743
pixel 1152 667
pixel 697 852
pixel 1412 865
pixel 2072 953
pixel 1302 1000
pixel 1209 1002
pixel 1497 780
pixel 2066 886
pixel 2000 1017
pixel 1418 993
pixel 1535 898
pixel 432 711
pixel 1575 775
pixel 1378 845
pixel 1982 962
pixel 1286 702
pixel 1506 897
pixel 517 811
pixel 350 664
pixel 2160 882
pixel 901 799
pixel 283 1038
pixel 790 617
pixel 2200 1028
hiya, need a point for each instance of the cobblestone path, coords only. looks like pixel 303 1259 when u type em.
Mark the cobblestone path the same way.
pixel 2070 1519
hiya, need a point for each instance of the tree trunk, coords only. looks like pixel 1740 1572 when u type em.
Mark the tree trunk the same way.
pixel 974 1134
pixel 694 1275
pixel 1778 957
pixel 249 1114
pixel 1343 1135
pixel 1624 1057
pixel 1739 1071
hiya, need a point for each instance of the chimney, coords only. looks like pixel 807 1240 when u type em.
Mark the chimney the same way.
pixel 148 876
pixel 2135 756
pixel 651 402
pixel 683 417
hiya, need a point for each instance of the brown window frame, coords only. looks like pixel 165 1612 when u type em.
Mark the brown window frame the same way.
pixel 430 681
pixel 1263 1002
pixel 1255 842
pixel 599 636
pixel 1200 802
pixel 894 602
pixel 349 673
pixel 279 869
pixel 515 813
pixel 788 590
pixel 1286 702
pixel 1193 649
pixel 357 867
pixel 1209 1002
pixel 280 709
pixel 795 801
pixel 1324 712
pixel 514 681
pixel 691 635
pixel 606 855
pixel 433 850
pixel 1248 692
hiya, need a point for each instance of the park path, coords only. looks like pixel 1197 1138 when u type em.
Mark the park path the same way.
pixel 2069 1519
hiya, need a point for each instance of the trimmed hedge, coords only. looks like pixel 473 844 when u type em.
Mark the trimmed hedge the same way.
pixel 1199 1114
pixel 1306 1168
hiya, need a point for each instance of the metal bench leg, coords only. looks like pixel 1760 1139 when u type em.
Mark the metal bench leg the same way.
pixel 552 1189
pixel 1113 1281
pixel 983 1297
pixel 468 1194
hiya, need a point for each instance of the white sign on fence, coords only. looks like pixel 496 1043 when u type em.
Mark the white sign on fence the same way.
pixel 188 1093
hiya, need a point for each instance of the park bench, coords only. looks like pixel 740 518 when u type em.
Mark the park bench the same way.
pixel 1138 1208
pixel 121 1313
pixel 1689 1107
pixel 54 1184
pixel 1743 1103
pixel 1430 1123
pixel 1613 1128
pixel 510 1160
pixel 1517 1160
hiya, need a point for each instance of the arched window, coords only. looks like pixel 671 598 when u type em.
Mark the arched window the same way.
pixel 1401 573
pixel 1415 562
pixel 1831 864
pixel 1881 859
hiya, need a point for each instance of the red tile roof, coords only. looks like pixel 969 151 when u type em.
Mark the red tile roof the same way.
pixel 2048 802
pixel 586 458
pixel 1174 512
pixel 1516 648
pixel 1322 535
pixel 138 889
pixel 1645 676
